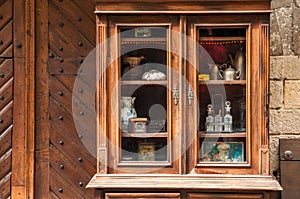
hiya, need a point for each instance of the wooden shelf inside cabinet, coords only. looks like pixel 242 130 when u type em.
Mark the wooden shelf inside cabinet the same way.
pixel 203 134
pixel 142 82
pixel 224 82
pixel 146 135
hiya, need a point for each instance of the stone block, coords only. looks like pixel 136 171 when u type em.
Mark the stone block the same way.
pixel 280 3
pixel 292 94
pixel 285 67
pixel 275 40
pixel 276 94
pixel 296 30
pixel 274 153
pixel 284 18
pixel 276 67
pixel 291 67
pixel 284 122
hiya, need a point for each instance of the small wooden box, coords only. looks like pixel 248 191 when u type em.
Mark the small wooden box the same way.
pixel 203 77
pixel 138 125
pixel 146 152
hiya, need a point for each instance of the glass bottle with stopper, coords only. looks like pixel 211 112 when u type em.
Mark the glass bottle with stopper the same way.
pixel 219 122
pixel 209 119
pixel 227 118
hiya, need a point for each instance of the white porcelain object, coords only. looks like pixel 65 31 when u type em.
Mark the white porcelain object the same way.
pixel 154 75
pixel 127 112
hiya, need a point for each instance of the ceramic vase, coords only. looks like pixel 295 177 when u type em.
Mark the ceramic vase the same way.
pixel 127 112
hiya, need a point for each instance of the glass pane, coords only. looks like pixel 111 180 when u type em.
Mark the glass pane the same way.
pixel 144 93
pixel 222 94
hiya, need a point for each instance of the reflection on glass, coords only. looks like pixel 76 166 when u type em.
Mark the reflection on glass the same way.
pixel 222 94
pixel 143 72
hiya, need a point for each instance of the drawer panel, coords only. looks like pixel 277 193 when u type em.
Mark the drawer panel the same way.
pixel 142 195
pixel 223 196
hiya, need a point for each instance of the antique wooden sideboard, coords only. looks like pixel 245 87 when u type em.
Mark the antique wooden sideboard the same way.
pixel 182 99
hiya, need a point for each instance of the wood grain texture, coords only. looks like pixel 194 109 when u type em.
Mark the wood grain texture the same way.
pixel 290 145
pixel 176 7
pixel 42 165
pixel 224 196
pixel 142 195
pixel 22 182
pixel 6 97
pixel 180 182
pixel 289 181
pixel 71 38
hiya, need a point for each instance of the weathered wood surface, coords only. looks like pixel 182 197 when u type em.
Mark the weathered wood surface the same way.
pixel 200 183
pixel 6 97
pixel 289 165
pixel 72 149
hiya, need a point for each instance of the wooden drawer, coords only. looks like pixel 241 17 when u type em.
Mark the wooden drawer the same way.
pixel 223 196
pixel 142 195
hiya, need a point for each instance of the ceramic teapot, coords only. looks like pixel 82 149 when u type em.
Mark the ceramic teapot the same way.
pixel 230 73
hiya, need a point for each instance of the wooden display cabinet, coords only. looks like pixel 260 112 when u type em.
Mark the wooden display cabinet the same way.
pixel 182 99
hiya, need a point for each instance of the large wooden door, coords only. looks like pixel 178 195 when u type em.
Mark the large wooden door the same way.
pixel 65 37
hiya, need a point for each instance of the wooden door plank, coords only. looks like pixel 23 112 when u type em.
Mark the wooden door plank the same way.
pixel 60 46
pixel 6 13
pixel 66 124
pixel 8 52
pixel 6 37
pixel 5 184
pixel 88 7
pixel 53 196
pixel 5 141
pixel 79 18
pixel 73 150
pixel 82 90
pixel 61 188
pixel 42 165
pixel 6 117
pixel 66 168
pixel 67 121
pixel 6 93
pixel 5 164
pixel 6 71
pixel 63 26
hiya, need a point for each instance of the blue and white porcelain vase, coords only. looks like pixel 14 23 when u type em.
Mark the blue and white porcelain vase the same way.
pixel 127 112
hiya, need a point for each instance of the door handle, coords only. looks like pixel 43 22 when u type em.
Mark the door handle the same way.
pixel 175 95
pixel 190 95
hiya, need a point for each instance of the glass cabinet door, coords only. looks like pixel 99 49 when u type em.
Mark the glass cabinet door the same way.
pixel 222 90
pixel 142 125
pixel 144 76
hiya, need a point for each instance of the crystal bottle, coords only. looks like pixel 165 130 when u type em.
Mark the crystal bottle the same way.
pixel 219 122
pixel 209 119
pixel 227 118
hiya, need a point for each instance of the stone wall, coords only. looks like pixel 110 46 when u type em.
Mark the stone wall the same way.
pixel 284 75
